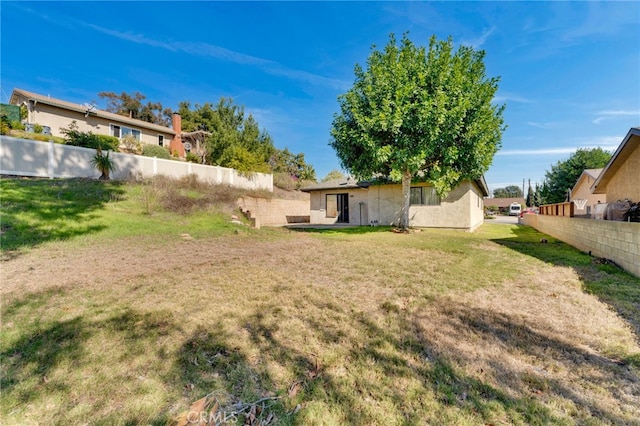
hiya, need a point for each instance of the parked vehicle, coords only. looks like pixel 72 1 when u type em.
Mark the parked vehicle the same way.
pixel 514 209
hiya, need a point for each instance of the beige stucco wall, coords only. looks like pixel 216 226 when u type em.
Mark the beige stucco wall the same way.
pixel 56 118
pixel 462 208
pixel 582 191
pixel 318 203
pixel 617 241
pixel 626 182
pixel 476 206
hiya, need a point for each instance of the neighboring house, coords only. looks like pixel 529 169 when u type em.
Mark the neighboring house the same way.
pixel 620 178
pixel 503 203
pixel 54 114
pixel 360 203
pixel 581 195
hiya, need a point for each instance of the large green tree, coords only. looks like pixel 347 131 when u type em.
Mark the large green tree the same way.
pixel 232 138
pixel 564 174
pixel 418 113
pixel 510 191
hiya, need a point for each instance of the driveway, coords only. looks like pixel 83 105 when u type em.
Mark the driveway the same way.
pixel 510 220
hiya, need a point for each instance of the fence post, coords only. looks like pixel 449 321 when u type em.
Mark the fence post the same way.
pixel 50 168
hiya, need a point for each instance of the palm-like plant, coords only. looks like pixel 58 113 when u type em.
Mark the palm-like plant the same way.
pixel 103 163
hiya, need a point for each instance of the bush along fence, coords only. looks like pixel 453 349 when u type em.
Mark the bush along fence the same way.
pixel 23 157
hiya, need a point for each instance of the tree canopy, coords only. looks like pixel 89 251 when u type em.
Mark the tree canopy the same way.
pixel 417 113
pixel 510 191
pixel 334 174
pixel 564 174
pixel 131 105
pixel 232 138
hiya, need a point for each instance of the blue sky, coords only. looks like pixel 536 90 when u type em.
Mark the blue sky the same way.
pixel 570 71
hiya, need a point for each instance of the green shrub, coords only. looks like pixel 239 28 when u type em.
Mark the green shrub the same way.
pixel 110 143
pixel 193 158
pixel 155 151
pixel 4 128
pixel 75 137
pixel 16 125
pixel 37 128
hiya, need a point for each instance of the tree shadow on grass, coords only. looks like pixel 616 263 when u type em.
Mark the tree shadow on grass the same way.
pixel 35 211
pixel 611 284
pixel 48 359
pixel 378 359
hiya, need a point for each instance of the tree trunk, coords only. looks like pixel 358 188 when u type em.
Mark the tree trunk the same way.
pixel 406 200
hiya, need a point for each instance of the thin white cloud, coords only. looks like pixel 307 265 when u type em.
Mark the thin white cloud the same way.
pixel 605 115
pixel 551 151
pixel 203 49
pixel 478 42
pixel 219 52
pixel 545 126
pixel 504 97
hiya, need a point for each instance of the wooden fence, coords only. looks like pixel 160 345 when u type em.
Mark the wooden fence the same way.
pixel 559 209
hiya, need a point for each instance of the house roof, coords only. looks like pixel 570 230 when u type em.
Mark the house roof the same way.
pixel 503 202
pixel 592 173
pixel 87 110
pixel 347 183
pixel 629 144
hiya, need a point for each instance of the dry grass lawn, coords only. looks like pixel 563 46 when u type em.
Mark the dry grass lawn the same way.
pixel 358 327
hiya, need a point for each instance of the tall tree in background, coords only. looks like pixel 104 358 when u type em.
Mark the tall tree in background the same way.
pixel 283 161
pixel 510 191
pixel 334 174
pixel 537 197
pixel 564 174
pixel 131 105
pixel 417 113
pixel 235 140
pixel 530 197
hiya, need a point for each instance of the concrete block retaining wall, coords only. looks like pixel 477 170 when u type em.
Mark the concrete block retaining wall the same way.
pixel 617 241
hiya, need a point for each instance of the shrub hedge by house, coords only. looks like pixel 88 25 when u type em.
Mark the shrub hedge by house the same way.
pixel 156 151
pixel 89 140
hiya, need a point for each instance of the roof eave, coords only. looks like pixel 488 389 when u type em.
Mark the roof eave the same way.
pixel 600 185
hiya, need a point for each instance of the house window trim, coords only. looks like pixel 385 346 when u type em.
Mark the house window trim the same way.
pixel 423 198
pixel 326 205
pixel 120 127
pixel 342 214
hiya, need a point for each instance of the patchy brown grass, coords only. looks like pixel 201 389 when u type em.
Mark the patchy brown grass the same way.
pixel 437 327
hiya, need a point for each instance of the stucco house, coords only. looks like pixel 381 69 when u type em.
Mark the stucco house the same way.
pixel 56 113
pixel 347 201
pixel 620 178
pixel 581 195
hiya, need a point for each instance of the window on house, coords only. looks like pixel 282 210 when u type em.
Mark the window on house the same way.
pixel 161 140
pixel 424 196
pixel 122 131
